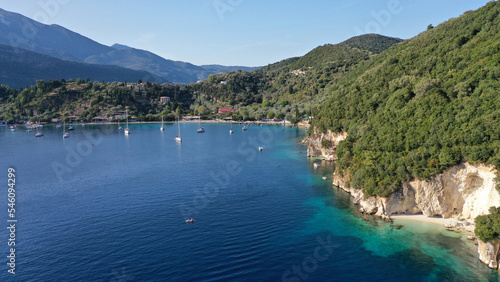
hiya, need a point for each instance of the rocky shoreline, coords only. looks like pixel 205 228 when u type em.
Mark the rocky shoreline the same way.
pixel 459 194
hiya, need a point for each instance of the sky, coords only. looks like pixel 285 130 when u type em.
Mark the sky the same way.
pixel 238 32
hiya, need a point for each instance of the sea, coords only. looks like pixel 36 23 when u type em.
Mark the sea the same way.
pixel 102 206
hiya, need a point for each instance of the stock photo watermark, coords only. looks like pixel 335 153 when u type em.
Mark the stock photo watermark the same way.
pixel 12 219
pixel 224 6
pixel 322 252
pixel 76 154
pixel 48 9
pixel 381 18
pixel 221 180
pixel 121 276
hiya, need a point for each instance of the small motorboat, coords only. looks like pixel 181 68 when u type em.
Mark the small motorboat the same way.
pixel 231 131
pixel 261 148
pixel 71 128
pixel 316 164
pixel 191 220
pixel 325 178
pixel 201 130
pixel 39 134
pixel 244 128
pixel 66 135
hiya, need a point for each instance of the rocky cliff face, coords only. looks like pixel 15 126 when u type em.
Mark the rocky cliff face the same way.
pixel 464 191
pixel 489 253
pixel 315 146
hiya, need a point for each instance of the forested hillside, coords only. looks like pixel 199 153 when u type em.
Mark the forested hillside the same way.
pixel 288 89
pixel 421 106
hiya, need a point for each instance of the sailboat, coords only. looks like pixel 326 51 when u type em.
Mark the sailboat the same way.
pixel 200 129
pixel 162 128
pixel 231 131
pixel 178 138
pixel 127 130
pixel 65 134
pixel 38 134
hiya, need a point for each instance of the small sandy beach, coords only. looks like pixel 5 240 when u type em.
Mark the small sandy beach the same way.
pixel 423 218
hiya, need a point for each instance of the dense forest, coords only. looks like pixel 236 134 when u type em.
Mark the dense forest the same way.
pixel 421 106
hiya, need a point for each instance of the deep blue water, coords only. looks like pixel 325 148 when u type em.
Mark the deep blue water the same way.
pixel 101 206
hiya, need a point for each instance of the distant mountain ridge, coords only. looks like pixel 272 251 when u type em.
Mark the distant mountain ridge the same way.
pixel 54 40
pixel 22 68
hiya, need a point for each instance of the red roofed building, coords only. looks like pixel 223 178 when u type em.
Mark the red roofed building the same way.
pixel 223 111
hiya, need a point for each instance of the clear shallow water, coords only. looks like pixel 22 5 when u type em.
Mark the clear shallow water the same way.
pixel 101 206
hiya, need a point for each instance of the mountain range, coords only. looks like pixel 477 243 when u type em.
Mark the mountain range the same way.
pixel 56 41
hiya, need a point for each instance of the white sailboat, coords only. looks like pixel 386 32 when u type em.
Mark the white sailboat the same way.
pixel 65 134
pixel 38 133
pixel 200 129
pixel 178 138
pixel 127 130
pixel 162 128
pixel 231 131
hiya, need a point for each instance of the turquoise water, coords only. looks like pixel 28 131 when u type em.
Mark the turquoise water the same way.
pixel 101 206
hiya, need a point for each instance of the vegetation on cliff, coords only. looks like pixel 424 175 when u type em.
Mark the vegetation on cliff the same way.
pixel 488 226
pixel 421 106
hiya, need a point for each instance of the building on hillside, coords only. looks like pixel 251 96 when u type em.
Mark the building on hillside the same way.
pixel 100 119
pixel 73 118
pixel 165 99
pixel 191 118
pixel 223 111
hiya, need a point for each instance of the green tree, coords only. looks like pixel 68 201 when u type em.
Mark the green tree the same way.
pixel 265 103
pixel 211 78
pixel 488 226
pixel 202 110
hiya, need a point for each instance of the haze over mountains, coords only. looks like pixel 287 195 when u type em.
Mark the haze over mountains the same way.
pixel 58 42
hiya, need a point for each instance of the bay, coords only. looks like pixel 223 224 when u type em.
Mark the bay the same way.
pixel 102 206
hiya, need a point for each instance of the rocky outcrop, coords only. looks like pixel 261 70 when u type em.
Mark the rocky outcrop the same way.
pixel 489 253
pixel 316 141
pixel 464 191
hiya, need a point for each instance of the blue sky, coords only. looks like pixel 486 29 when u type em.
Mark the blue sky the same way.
pixel 238 32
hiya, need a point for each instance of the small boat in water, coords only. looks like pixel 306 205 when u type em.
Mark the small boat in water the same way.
pixel 316 164
pixel 39 134
pixel 201 130
pixel 127 130
pixel 261 148
pixel 244 128
pixel 162 128
pixel 71 128
pixel 12 128
pixel 191 220
pixel 325 178
pixel 178 138
pixel 65 134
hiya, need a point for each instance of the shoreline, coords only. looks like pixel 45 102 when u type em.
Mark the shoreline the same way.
pixel 182 121
pixel 423 218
